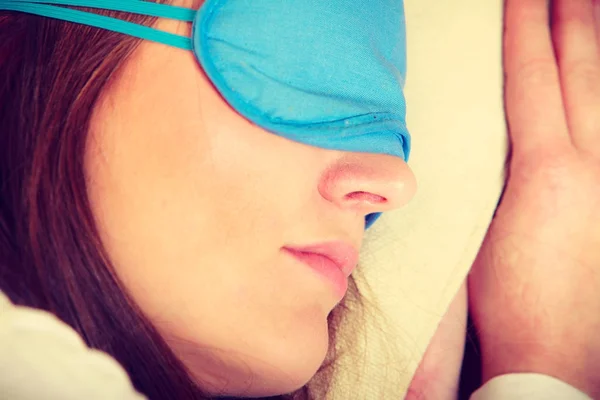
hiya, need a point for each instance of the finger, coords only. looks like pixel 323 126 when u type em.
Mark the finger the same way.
pixel 578 55
pixel 534 103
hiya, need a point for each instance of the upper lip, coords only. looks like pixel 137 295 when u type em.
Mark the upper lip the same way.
pixel 343 254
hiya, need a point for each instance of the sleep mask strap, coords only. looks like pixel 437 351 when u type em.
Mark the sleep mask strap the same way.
pixel 51 9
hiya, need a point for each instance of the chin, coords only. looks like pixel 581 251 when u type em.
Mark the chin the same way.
pixel 281 367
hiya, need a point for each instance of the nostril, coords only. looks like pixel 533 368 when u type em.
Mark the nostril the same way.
pixel 364 196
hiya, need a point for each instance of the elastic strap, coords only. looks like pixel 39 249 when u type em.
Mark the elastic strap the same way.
pixel 48 8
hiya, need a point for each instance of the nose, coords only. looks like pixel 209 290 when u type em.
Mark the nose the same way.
pixel 368 183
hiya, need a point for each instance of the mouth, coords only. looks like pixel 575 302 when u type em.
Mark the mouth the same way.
pixel 342 254
pixel 333 260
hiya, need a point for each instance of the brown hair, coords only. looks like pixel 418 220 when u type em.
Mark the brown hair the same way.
pixel 51 75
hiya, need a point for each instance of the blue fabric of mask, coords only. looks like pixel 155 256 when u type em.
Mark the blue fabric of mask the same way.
pixel 328 74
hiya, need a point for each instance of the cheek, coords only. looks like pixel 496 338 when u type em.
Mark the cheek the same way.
pixel 201 258
pixel 155 187
pixel 167 208
pixel 192 215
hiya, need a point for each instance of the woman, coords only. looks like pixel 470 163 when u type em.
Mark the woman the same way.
pixel 116 181
pixel 137 205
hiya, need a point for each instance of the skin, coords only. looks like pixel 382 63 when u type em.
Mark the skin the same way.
pixel 534 288
pixel 194 205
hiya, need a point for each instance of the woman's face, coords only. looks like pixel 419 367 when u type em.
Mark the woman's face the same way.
pixel 195 205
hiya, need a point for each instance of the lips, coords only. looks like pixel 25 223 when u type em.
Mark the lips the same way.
pixel 342 254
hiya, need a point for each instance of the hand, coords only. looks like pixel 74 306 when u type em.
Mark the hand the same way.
pixel 438 374
pixel 534 290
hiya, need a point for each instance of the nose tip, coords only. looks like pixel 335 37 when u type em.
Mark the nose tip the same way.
pixel 369 183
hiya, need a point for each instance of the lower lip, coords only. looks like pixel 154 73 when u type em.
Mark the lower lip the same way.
pixel 325 267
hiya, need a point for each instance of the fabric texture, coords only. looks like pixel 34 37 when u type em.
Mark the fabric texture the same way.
pixel 43 358
pixel 529 387
pixel 324 73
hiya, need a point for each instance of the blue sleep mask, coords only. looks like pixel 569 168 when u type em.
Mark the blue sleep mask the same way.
pixel 326 73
